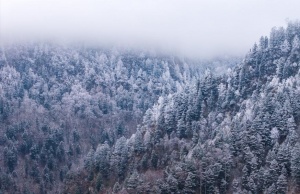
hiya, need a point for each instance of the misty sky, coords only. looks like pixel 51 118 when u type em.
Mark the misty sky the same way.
pixel 191 27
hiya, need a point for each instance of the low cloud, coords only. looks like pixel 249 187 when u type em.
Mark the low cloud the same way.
pixel 189 27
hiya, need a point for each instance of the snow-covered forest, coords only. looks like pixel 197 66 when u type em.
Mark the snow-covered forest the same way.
pixel 57 102
pixel 78 119
pixel 234 133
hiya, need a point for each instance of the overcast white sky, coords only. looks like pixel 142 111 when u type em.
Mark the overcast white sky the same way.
pixel 191 27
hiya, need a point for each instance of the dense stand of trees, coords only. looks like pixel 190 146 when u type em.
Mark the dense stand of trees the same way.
pixel 57 102
pixel 86 120
pixel 233 133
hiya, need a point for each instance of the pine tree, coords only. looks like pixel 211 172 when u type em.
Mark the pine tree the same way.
pixel 181 128
pixel 209 179
pixel 236 139
pixel 270 157
pixel 283 155
pixel 285 46
pixel 294 56
pixel 170 121
pixel 280 117
pixel 295 163
pixel 190 184
pixel 133 181
pixel 138 146
pixel 172 184
pixel 195 129
pixel 254 48
pixel 10 158
pixel 116 188
pixel 280 67
pixel 271 189
pixel 281 184
pixel 99 182
pixel 271 174
pixel 235 185
pixel 296 43
pixel 147 139
pixel 291 30
pixel 245 176
pixel 119 157
pixel 252 185
pixel 274 170
pixel 89 160
pixel 262 43
pixel 101 159
pixel 277 37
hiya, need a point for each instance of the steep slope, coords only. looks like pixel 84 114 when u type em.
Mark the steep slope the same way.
pixel 57 102
pixel 236 133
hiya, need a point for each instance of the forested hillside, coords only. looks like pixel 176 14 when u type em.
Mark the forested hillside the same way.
pixel 234 133
pixel 76 119
pixel 57 102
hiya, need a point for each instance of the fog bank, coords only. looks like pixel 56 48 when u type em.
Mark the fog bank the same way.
pixel 189 27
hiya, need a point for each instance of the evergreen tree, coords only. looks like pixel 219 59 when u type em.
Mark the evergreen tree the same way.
pixel 295 163
pixel 296 43
pixel 277 37
pixel 252 185
pixel 235 185
pixel 89 160
pixel 117 187
pixel 99 183
pixel 190 184
pixel 138 142
pixel 10 158
pixel 281 184
pixel 262 43
pixel 120 157
pixel 283 155
pixel 271 189
pixel 101 159
pixel 285 47
pixel 181 128
pixel 274 171
pixel 133 181
pixel 172 184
